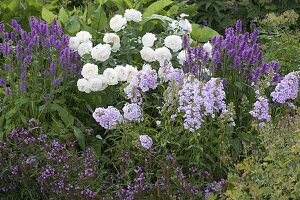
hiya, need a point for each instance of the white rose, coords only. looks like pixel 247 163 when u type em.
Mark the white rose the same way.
pixel 74 43
pixel 147 54
pixel 173 42
pixel 133 15
pixel 85 48
pixel 101 52
pixel 83 85
pixel 132 72
pixel 208 48
pixel 122 72
pixel 104 81
pixel 111 75
pixel 148 39
pixel 162 55
pixel 84 36
pixel 117 23
pixel 89 71
pixel 112 38
pixel 185 25
pixel 181 57
pixel 95 84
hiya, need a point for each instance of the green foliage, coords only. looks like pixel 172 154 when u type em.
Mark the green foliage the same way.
pixel 273 174
pixel 285 49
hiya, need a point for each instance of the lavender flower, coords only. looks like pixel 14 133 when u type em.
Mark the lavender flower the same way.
pixel 146 141
pixel 108 118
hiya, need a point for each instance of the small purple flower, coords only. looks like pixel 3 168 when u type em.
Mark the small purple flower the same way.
pixel 8 91
pixel 146 141
pixel 15 170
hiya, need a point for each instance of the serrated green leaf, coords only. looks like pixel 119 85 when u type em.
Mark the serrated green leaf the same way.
pixel 63 16
pixel 47 15
pixel 73 27
pixel 156 7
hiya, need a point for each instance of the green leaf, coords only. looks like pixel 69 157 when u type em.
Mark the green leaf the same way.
pixel 79 136
pixel 63 16
pixel 203 34
pixel 156 7
pixel 47 15
pixel 12 6
pixel 65 116
pixel 129 3
pixel 99 18
pixel 173 10
pixel 102 2
pixel 73 27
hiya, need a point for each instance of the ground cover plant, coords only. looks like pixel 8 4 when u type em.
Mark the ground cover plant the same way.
pixel 144 105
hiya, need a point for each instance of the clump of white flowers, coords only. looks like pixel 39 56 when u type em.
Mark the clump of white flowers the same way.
pixel 150 51
pixel 133 15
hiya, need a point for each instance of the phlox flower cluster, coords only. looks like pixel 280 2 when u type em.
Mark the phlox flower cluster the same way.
pixel 146 141
pixel 261 110
pixel 108 117
pixel 143 81
pixel 287 89
pixel 133 112
pixel 197 100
